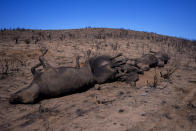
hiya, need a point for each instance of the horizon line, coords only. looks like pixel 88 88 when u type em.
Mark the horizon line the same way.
pixel 56 29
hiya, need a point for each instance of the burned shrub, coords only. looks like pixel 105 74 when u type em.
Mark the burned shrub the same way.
pixel 27 41
pixel 168 72
pixel 9 65
pixel 16 39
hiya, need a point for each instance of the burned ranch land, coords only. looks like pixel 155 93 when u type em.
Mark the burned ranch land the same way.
pixel 163 97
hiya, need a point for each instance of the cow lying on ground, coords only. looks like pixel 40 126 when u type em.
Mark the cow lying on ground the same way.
pixel 55 82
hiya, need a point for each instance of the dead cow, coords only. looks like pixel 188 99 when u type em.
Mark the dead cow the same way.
pixel 54 82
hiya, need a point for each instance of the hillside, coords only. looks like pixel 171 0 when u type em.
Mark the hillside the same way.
pixel 111 106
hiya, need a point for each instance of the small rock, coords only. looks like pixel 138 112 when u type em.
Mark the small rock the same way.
pixel 121 110
pixel 121 93
pixel 167 116
pixel 97 87
pixel 144 94
pixel 176 106
pixel 163 102
pixel 194 103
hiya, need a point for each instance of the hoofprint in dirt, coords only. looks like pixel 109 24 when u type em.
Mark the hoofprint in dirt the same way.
pixel 113 106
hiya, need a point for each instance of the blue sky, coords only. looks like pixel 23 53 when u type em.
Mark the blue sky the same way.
pixel 168 17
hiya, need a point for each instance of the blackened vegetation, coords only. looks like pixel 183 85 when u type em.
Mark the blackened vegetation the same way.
pixel 55 82
pixel 34 36
pixel 8 65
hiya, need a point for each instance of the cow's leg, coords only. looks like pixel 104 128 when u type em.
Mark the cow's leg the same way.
pixel 118 63
pixel 120 54
pixel 44 63
pixel 33 69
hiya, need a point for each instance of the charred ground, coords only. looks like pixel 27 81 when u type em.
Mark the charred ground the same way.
pixel 159 101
